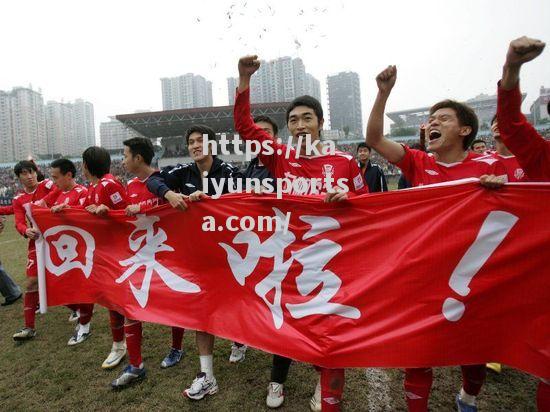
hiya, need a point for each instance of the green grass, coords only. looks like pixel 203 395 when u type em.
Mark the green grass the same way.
pixel 46 374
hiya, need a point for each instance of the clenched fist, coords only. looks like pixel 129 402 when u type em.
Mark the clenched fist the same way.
pixel 248 65
pixel 523 50
pixel 386 79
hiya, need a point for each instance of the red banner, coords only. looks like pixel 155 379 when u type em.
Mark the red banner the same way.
pixel 435 276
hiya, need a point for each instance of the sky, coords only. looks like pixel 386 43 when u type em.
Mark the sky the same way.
pixel 113 53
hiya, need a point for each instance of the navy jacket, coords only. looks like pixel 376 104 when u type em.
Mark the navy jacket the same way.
pixel 186 178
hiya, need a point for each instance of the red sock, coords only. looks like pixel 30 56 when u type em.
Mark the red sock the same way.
pixel 29 308
pixel 473 377
pixel 543 397
pixel 133 335
pixel 418 384
pixel 117 326
pixel 86 312
pixel 177 337
pixel 332 387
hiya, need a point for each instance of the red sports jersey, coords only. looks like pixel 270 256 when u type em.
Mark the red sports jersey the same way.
pixel 74 197
pixel 421 168
pixel 138 194
pixel 513 170
pixel 341 167
pixel 109 192
pixel 522 139
pixel 6 210
pixel 22 198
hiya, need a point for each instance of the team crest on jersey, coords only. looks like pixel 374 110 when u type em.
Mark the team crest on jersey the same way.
pixel 358 182
pixel 519 174
pixel 328 170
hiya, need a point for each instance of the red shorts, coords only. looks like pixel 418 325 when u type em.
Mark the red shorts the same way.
pixel 32 269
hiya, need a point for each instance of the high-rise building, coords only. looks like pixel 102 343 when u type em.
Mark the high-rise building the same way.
pixel 22 121
pixel 6 130
pixel 84 123
pixel 70 127
pixel 232 84
pixel 539 108
pixel 59 127
pixel 186 92
pixel 279 80
pixel 30 128
pixel 313 87
pixel 344 101
pixel 113 133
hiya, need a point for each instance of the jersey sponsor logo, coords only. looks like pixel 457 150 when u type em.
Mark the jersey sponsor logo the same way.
pixel 431 172
pixel 519 174
pixel 116 198
pixel 358 182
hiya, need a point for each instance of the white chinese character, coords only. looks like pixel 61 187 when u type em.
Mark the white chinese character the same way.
pixel 66 249
pixel 312 258
pixel 146 247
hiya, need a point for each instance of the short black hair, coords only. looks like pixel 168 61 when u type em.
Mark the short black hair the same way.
pixel 202 129
pixel 97 160
pixel 267 119
pixel 494 119
pixel 363 144
pixel 141 146
pixel 306 101
pixel 466 117
pixel 25 166
pixel 65 166
pixel 476 141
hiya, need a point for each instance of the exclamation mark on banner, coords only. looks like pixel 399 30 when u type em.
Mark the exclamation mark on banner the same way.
pixel 495 228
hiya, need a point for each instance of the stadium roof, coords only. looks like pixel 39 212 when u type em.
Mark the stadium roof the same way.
pixel 397 117
pixel 174 122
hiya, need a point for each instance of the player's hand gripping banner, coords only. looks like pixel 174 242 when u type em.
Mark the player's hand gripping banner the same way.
pixel 443 275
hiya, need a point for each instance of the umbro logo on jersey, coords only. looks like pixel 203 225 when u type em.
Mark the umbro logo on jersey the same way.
pixel 133 195
pixel 431 172
pixel 295 164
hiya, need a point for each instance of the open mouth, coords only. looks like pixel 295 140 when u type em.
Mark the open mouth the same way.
pixel 434 135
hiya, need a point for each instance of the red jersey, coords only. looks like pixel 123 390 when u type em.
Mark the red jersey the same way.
pixel 341 167
pixel 138 194
pixel 520 137
pixel 74 197
pixel 22 198
pixel 513 170
pixel 6 210
pixel 107 191
pixel 421 168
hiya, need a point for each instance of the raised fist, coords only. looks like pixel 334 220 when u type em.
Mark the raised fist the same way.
pixel 523 50
pixel 386 79
pixel 248 65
